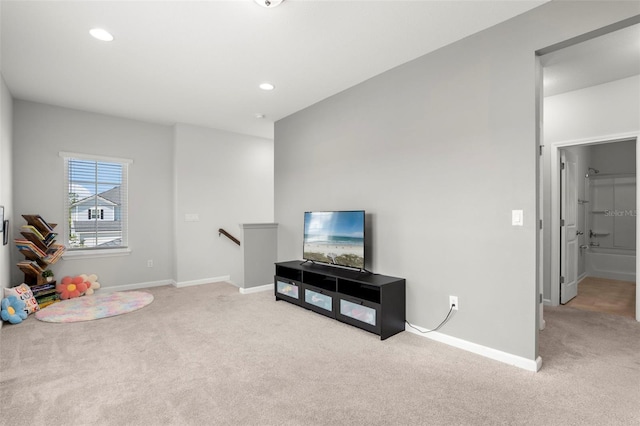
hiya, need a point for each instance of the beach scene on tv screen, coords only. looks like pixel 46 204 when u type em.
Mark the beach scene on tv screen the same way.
pixel 335 237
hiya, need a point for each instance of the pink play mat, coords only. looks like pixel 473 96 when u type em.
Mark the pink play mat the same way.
pixel 95 306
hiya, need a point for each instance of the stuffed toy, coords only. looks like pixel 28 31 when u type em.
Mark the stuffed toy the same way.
pixel 92 283
pixel 71 287
pixel 13 310
pixel 24 293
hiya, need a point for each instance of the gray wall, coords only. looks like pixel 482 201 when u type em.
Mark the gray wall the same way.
pixel 621 196
pixel 603 110
pixel 226 179
pixel 617 157
pixel 439 151
pixel 259 253
pixel 42 131
pixel 6 180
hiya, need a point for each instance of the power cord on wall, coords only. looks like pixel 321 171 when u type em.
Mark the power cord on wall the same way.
pixel 447 318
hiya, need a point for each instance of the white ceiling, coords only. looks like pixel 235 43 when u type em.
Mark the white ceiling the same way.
pixel 610 57
pixel 200 62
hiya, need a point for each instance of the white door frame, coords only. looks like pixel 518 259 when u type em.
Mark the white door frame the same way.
pixel 554 297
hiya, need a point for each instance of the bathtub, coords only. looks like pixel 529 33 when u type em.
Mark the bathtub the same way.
pixel 615 264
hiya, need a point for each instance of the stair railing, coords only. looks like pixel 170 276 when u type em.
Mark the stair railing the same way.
pixel 228 235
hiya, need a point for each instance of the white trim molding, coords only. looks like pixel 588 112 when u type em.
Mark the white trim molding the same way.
pixel 149 284
pixel 258 225
pixel 494 354
pixel 257 289
pixel 65 154
pixel 223 278
pixel 95 253
pixel 136 286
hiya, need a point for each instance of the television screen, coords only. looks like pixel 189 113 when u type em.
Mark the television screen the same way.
pixel 336 238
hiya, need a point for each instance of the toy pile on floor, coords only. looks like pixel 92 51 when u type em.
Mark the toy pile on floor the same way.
pixel 22 300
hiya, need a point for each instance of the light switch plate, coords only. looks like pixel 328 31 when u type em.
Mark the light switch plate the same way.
pixel 191 217
pixel 517 217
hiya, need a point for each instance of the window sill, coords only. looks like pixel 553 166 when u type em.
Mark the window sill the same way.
pixel 91 254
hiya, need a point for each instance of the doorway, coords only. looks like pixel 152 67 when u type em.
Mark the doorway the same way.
pixel 602 259
pixel 552 295
pixel 602 110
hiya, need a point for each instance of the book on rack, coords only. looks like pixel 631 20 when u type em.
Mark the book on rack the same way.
pixel 37 221
pixel 32 230
pixel 43 287
pixel 44 295
pixel 49 238
pixel 24 244
pixel 43 290
pixel 30 267
pixel 32 234
pixel 38 247
pixel 35 240
pixel 43 305
pixel 54 253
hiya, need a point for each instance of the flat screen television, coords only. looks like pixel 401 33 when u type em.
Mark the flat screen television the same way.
pixel 336 238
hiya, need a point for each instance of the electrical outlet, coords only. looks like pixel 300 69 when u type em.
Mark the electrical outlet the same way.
pixel 150 263
pixel 453 301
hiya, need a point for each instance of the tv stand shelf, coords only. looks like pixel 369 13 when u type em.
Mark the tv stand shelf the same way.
pixel 372 302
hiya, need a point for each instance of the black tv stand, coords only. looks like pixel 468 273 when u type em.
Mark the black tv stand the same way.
pixel 372 302
pixel 348 268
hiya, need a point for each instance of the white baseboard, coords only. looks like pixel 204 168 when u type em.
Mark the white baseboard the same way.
pixel 148 284
pixel 582 277
pixel 507 358
pixel 266 287
pixel 181 284
pixel 135 286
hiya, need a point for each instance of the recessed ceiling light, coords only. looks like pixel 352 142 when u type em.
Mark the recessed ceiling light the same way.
pixel 267 86
pixel 258 115
pixel 101 34
pixel 270 4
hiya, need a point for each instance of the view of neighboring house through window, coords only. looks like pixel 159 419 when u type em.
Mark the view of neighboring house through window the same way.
pixel 96 202
pixel 97 213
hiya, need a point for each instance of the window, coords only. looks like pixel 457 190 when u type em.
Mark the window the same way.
pixel 97 214
pixel 95 202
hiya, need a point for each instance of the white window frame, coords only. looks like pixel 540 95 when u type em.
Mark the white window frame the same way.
pixel 99 213
pixel 84 253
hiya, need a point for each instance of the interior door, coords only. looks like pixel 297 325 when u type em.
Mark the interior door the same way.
pixel 569 246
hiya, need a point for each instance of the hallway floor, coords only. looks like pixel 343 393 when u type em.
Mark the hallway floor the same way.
pixel 607 296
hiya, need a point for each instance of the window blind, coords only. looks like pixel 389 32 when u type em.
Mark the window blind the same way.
pixel 95 202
